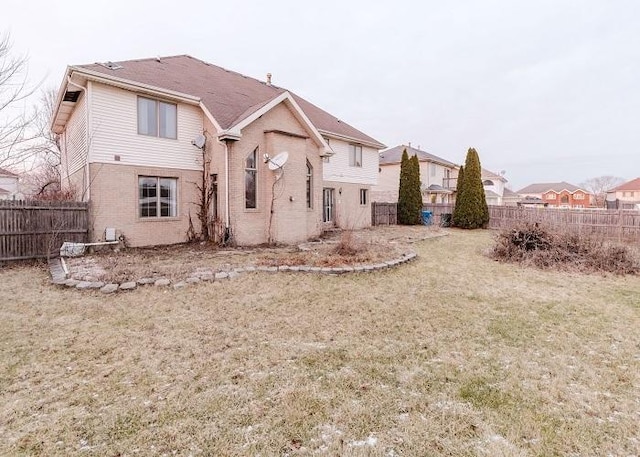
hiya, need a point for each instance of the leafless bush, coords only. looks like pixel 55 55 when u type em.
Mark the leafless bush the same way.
pixel 348 244
pixel 542 247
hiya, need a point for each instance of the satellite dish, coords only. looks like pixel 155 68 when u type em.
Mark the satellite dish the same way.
pixel 278 161
pixel 199 141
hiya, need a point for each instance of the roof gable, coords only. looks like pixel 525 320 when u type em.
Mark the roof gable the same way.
pixel 541 188
pixel 394 155
pixel 228 96
pixel 634 184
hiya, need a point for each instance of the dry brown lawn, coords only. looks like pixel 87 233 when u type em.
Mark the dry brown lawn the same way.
pixel 450 355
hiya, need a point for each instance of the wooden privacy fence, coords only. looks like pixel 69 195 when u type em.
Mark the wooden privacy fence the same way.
pixel 37 229
pixel 611 224
pixel 616 225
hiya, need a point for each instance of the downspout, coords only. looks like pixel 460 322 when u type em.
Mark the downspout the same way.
pixel 86 191
pixel 226 186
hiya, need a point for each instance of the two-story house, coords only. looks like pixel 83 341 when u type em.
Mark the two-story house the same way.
pixel 141 139
pixel 558 195
pixel 9 185
pixel 437 176
pixel 495 190
pixel 625 196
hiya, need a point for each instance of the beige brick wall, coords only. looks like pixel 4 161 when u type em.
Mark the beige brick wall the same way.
pixel 291 221
pixel 114 203
pixel 349 213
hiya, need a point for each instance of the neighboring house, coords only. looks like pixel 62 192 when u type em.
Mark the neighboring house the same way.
pixel 557 195
pixel 9 187
pixel 495 190
pixel 138 138
pixel 437 176
pixel 625 196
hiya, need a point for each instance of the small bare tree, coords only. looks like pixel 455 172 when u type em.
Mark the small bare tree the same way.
pixel 15 120
pixel 600 185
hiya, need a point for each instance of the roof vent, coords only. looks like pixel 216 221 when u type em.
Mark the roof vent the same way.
pixel 268 79
pixel 111 65
pixel 71 96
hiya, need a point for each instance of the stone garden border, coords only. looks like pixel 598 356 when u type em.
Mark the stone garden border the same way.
pixel 59 275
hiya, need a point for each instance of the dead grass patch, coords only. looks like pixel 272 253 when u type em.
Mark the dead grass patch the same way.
pixel 177 262
pixel 453 354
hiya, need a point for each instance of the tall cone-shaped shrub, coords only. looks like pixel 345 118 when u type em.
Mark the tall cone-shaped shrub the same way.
pixel 459 185
pixel 471 209
pixel 409 195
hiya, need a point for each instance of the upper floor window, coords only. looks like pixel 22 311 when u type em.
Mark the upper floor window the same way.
pixel 487 182
pixel 157 197
pixel 578 196
pixel 309 185
pixel 551 196
pixel 355 155
pixel 156 118
pixel 564 199
pixel 250 180
pixel 432 169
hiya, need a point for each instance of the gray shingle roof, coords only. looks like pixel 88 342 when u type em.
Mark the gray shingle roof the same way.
pixel 229 96
pixel 394 155
pixel 541 188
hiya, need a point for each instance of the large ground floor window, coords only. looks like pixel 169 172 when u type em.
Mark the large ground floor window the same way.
pixel 157 197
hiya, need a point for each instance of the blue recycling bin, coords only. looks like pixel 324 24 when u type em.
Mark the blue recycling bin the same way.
pixel 427 217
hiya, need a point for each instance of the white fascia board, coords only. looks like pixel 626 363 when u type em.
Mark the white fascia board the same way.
pixel 59 97
pixel 377 146
pixel 209 116
pixel 285 96
pixel 135 86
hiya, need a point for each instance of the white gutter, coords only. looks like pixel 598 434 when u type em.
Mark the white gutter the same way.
pixel 138 86
pixel 374 145
pixel 87 121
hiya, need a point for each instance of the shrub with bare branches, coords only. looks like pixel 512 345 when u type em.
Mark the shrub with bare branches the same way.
pixel 535 245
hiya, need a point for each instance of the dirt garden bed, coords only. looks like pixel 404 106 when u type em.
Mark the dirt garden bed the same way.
pixel 336 249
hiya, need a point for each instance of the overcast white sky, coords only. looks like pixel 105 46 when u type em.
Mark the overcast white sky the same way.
pixel 547 90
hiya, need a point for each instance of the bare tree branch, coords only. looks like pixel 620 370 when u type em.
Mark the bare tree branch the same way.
pixel 15 121
pixel 600 185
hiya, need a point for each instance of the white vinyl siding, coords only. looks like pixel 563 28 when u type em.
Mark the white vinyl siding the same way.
pixel 339 170
pixel 114 125
pixel 74 140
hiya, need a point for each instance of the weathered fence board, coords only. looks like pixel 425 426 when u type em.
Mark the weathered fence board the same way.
pixel 622 225
pixel 37 229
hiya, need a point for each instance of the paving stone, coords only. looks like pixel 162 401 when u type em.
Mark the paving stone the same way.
pixel 71 282
pixel 380 266
pixel 294 268
pixel 315 269
pixel 233 274
pixel 96 285
pixel 304 268
pixel 337 270
pixel 145 281
pixel 284 268
pixel 348 269
pixel 369 267
pixel 180 285
pixel 250 268
pixel 192 280
pixel 221 275
pixel 109 288
pixel 358 268
pixel 411 256
pixel 130 285
pixel 162 282
pixel 84 285
pixel 239 270
pixel 206 276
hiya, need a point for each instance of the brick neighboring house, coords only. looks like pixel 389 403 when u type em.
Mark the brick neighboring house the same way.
pixel 437 176
pixel 558 195
pixel 131 132
pixel 9 187
pixel 625 196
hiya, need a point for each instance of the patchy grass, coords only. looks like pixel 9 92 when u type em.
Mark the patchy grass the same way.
pixel 453 354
